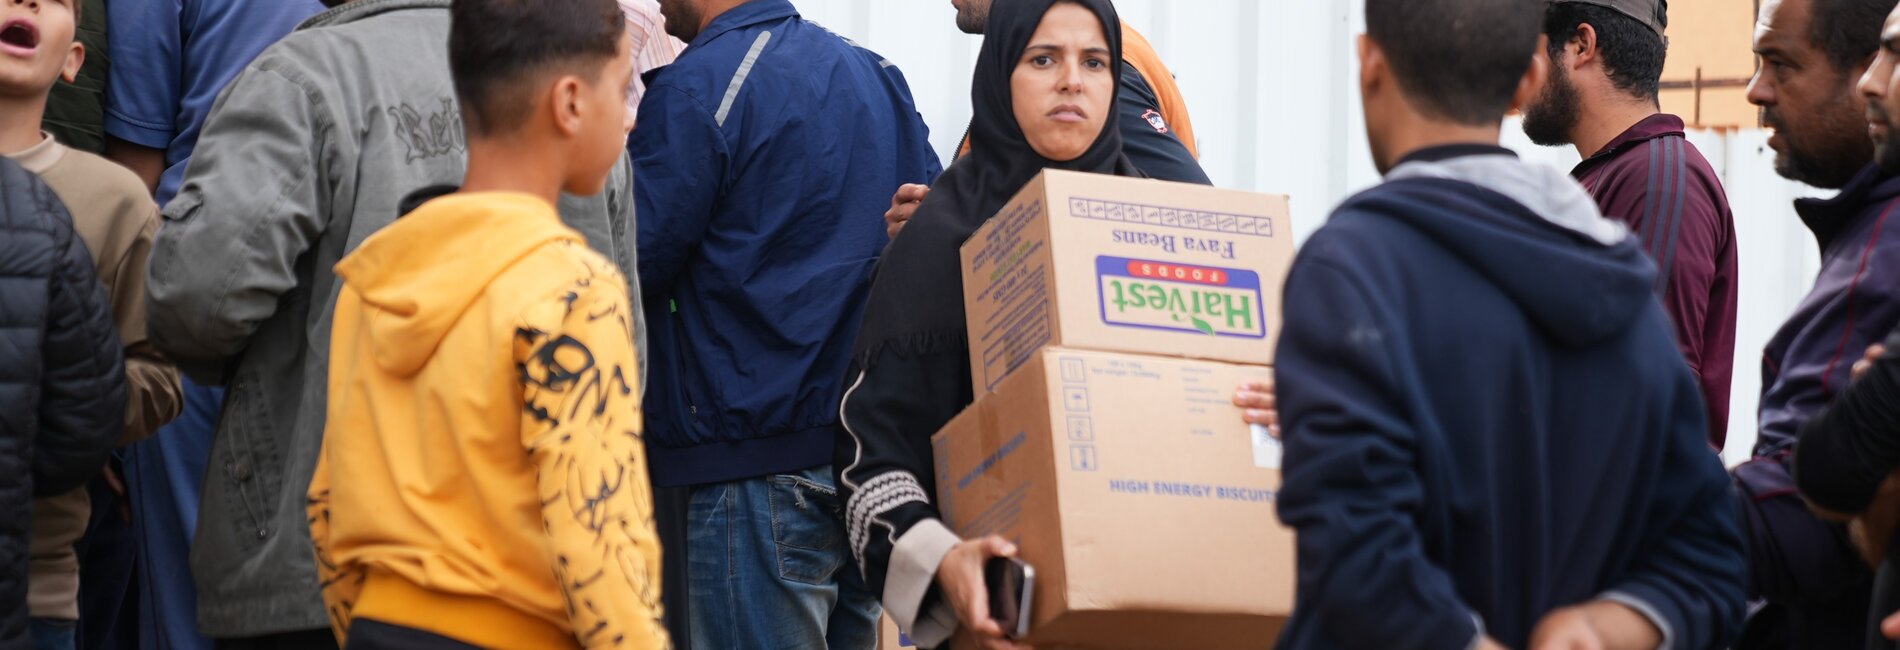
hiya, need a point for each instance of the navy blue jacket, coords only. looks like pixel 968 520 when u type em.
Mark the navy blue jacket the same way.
pixel 1487 419
pixel 1855 303
pixel 764 160
pixel 62 373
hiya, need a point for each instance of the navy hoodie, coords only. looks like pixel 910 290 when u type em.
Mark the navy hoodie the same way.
pixel 1487 419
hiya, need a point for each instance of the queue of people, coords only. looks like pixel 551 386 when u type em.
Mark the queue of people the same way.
pixel 574 323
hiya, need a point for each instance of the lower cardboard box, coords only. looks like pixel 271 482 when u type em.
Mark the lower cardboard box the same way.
pixel 888 637
pixel 1144 504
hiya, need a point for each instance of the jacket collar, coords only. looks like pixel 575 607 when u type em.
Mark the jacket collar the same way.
pixel 1828 218
pixel 1652 127
pixel 1444 152
pixel 746 15
pixel 356 10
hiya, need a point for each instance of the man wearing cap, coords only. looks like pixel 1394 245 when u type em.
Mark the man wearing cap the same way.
pixel 1606 67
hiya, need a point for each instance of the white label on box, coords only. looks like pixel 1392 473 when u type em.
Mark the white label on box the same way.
pixel 1266 448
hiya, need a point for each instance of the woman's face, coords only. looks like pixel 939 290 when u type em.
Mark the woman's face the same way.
pixel 1064 85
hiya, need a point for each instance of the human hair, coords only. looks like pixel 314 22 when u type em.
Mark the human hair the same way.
pixel 1458 60
pixel 1847 31
pixel 498 47
pixel 1633 54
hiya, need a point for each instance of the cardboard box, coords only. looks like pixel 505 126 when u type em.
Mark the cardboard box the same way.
pixel 888 636
pixel 1132 487
pixel 1129 265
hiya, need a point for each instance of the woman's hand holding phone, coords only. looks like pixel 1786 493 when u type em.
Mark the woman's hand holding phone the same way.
pixel 961 577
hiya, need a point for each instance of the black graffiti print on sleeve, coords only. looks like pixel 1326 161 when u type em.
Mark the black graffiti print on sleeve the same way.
pixel 564 369
pixel 343 584
pixel 568 389
pixel 592 487
pixel 631 564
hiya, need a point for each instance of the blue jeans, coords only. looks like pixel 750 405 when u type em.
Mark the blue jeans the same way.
pixel 54 634
pixel 164 476
pixel 770 568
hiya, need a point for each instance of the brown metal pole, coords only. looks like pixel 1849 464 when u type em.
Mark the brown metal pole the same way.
pixel 1698 95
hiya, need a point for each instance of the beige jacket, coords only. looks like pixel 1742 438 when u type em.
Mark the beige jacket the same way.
pixel 115 215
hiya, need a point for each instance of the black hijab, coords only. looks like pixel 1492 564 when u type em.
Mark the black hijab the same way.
pixel 916 300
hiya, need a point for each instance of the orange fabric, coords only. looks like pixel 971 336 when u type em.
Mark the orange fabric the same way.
pixel 482 460
pixel 1138 52
pixel 487 622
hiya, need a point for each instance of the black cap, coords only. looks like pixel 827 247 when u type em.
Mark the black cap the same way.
pixel 1653 14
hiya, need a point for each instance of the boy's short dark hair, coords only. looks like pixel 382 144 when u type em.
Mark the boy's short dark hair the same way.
pixel 497 46
pixel 1847 31
pixel 1633 54
pixel 1458 60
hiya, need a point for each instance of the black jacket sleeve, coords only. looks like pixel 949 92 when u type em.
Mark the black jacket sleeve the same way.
pixel 82 390
pixel 1847 449
pixel 888 480
pixel 1155 152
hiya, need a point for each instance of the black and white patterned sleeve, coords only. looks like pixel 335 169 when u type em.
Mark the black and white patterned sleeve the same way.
pixel 887 475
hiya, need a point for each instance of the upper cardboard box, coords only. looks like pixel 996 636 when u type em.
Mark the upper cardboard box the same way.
pixel 1130 265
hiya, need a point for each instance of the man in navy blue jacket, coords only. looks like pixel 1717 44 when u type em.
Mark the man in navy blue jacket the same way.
pixel 1491 439
pixel 764 157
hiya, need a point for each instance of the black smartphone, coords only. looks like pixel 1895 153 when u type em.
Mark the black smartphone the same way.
pixel 1011 583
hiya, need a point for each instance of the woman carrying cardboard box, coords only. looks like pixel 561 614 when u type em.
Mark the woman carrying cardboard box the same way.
pixel 1044 98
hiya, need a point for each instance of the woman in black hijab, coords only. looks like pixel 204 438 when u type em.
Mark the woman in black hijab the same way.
pixel 1044 98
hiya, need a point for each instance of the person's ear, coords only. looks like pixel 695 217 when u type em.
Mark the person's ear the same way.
pixel 568 96
pixel 1373 68
pixel 75 59
pixel 1588 49
pixel 1534 77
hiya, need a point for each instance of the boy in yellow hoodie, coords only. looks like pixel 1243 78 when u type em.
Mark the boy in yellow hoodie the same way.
pixel 482 480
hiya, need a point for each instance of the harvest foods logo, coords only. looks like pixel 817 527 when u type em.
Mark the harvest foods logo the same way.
pixel 1180 297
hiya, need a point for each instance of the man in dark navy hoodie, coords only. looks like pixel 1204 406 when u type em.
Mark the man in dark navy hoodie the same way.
pixel 1491 439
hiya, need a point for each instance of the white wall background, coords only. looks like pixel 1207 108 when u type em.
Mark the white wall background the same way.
pixel 1272 86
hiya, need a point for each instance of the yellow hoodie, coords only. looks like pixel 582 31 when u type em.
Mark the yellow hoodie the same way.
pixel 482 464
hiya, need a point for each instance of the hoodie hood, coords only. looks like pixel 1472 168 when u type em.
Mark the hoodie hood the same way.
pixel 417 276
pixel 1533 232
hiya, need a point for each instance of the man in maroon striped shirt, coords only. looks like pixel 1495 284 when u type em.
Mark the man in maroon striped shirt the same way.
pixel 1606 61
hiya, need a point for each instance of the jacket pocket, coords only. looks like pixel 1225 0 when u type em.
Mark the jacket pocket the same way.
pixel 183 206
pixel 807 529
pixel 250 466
pixel 685 378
